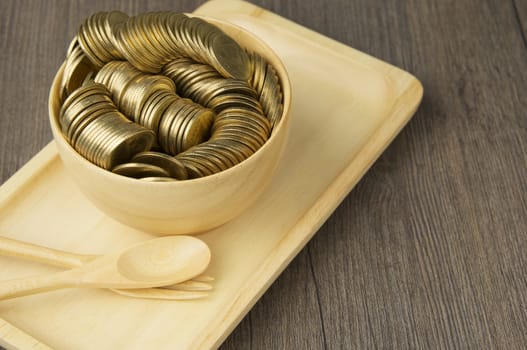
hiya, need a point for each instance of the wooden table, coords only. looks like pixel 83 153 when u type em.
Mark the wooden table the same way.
pixel 429 249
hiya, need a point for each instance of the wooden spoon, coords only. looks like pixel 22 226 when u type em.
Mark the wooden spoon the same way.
pixel 158 262
pixel 55 257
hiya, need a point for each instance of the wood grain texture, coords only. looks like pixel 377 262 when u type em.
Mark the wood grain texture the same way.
pixel 428 251
pixel 521 12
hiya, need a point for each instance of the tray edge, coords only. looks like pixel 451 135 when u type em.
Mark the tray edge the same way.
pixel 13 338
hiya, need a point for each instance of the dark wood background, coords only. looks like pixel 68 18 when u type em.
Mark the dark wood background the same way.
pixel 430 249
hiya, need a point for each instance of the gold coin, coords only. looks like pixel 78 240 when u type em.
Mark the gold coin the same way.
pixel 178 128
pixel 195 84
pixel 105 130
pixel 194 170
pixel 153 84
pixel 137 92
pixel 116 75
pixel 110 129
pixel 76 68
pixel 112 23
pixel 78 94
pixel 237 135
pixel 154 108
pixel 173 167
pixel 189 37
pixel 112 139
pixel 157 37
pixel 88 140
pixel 177 67
pixel 198 128
pixel 205 164
pixel 259 68
pixel 220 163
pixel 92 29
pixel 73 44
pixel 179 28
pixel 88 45
pixel 231 148
pixel 241 113
pixel 217 154
pixel 243 132
pixel 236 146
pixel 229 58
pixel 131 140
pixel 96 36
pixel 247 117
pixel 241 125
pixel 67 110
pixel 271 96
pixel 87 114
pixel 169 125
pixel 216 87
pixel 159 31
pixel 170 23
pixel 78 129
pixel 158 179
pixel 235 100
pixel 151 50
pixel 140 170
pixel 130 46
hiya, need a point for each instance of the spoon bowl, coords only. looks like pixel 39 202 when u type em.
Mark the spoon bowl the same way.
pixel 162 259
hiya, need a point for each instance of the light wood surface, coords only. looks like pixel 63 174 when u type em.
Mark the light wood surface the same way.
pixel 13 338
pixel 428 250
pixel 356 131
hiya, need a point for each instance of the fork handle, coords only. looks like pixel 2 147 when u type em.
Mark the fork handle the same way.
pixel 36 253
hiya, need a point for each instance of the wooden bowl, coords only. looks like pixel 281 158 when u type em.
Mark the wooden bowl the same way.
pixel 180 207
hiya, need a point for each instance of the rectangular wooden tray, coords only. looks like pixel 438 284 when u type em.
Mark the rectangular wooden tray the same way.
pixel 347 107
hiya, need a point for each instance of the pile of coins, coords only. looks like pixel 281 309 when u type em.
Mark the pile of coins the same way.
pixel 164 96
pixel 151 101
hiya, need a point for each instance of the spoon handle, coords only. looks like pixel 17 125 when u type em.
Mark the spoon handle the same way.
pixel 33 285
pixel 36 253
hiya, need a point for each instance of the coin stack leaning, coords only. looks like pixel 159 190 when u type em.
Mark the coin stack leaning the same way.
pixel 98 131
pixel 164 96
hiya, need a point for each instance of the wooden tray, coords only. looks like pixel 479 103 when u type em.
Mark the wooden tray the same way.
pixel 347 107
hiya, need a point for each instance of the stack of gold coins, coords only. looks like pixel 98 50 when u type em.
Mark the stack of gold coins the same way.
pixel 154 167
pixel 151 100
pixel 267 85
pixel 98 131
pixel 150 40
pixel 204 85
pixel 185 72
pixel 183 124
pixel 164 96
pixel 96 37
pixel 130 87
pixel 146 40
